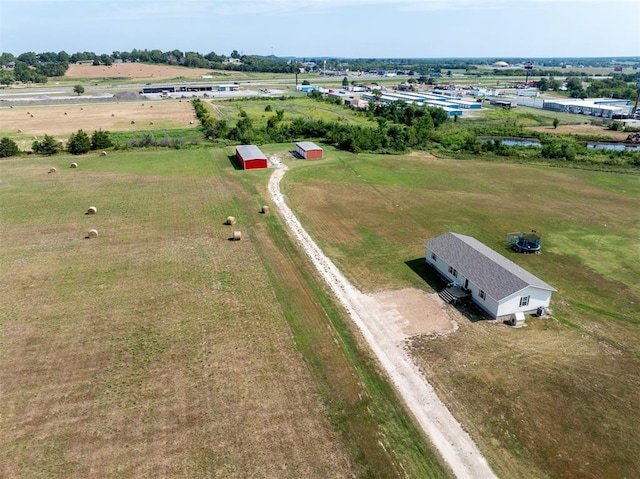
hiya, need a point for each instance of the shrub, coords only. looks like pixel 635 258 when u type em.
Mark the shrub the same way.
pixel 47 146
pixel 79 143
pixel 8 147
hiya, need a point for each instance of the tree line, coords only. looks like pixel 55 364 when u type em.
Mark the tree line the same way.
pixel 31 67
pixel 78 144
pixel 399 128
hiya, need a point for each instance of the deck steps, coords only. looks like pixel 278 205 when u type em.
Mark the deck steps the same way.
pixel 446 296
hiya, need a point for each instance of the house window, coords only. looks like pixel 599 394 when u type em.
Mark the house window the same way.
pixel 482 295
pixel 434 257
pixel 524 301
pixel 453 271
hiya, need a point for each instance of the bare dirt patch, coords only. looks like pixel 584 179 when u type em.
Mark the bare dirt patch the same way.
pixel 140 71
pixel 413 311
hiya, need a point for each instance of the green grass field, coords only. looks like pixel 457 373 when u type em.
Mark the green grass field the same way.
pixel 161 348
pixel 292 107
pixel 555 399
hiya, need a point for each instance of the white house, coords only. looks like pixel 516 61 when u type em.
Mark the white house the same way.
pixel 496 284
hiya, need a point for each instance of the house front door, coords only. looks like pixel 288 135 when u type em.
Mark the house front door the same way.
pixel 466 283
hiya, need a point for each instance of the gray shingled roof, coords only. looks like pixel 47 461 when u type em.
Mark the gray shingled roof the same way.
pixel 491 271
pixel 250 152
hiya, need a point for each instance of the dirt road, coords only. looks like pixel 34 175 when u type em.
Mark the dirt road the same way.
pixel 386 324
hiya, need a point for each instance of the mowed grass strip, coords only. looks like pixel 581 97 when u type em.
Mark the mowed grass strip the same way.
pixel 158 349
pixel 555 399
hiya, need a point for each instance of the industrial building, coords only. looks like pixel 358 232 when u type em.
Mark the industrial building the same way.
pixel 188 87
pixel 452 105
pixel 251 157
pixel 308 150
pixel 600 107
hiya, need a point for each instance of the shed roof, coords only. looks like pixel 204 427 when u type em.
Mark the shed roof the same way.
pixel 250 152
pixel 496 275
pixel 308 145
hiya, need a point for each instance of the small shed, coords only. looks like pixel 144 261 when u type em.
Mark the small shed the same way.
pixel 308 150
pixel 250 157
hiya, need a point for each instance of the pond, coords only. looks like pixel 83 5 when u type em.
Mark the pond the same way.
pixel 513 141
pixel 613 146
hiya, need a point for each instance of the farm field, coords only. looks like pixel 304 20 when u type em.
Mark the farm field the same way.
pixel 161 348
pixel 137 71
pixel 22 123
pixel 556 398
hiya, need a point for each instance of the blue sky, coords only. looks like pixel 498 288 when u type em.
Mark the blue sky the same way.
pixel 334 28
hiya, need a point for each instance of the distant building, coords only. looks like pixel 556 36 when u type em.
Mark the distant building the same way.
pixel 251 157
pixel 599 107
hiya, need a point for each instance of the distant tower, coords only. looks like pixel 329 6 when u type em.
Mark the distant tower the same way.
pixel 527 66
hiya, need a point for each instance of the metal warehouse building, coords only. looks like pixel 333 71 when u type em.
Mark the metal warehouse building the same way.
pixel 308 150
pixel 602 107
pixel 250 157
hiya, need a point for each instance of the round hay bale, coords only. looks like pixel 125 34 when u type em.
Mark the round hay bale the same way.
pixel 92 234
pixel 19 130
pixel 231 220
pixel 74 165
pixel 31 116
pixel 34 137
pixel 104 153
pixel 237 235
pixel 92 210
pixel 151 123
pixel 52 169
pixel 65 112
pixel 133 122
pixel 191 122
pixel 112 114
pixel 265 209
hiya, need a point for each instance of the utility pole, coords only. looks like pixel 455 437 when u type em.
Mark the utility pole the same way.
pixel 296 67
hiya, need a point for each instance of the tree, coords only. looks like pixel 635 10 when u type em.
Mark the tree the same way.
pixel 543 84
pixel 556 122
pixel 345 82
pixel 100 140
pixel 8 147
pixel 7 77
pixel 47 146
pixel 78 89
pixel 79 143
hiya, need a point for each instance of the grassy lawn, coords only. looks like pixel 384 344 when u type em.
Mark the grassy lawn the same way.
pixel 163 349
pixel 292 107
pixel 555 399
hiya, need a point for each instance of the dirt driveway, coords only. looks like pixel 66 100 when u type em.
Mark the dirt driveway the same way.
pixel 386 321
